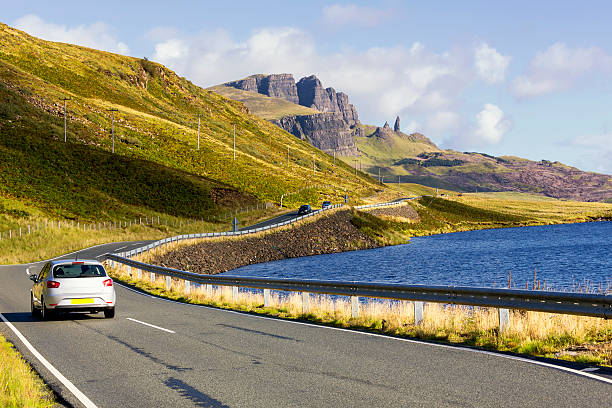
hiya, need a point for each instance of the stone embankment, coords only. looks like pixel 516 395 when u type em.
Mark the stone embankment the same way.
pixel 329 234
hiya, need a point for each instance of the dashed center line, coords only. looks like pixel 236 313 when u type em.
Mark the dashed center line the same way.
pixel 151 325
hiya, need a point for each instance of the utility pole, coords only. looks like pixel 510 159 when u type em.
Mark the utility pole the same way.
pixel 198 131
pixel 335 155
pixel 314 168
pixel 113 110
pixel 379 174
pixel 287 155
pixel 355 161
pixel 359 163
pixel 65 99
pixel 234 142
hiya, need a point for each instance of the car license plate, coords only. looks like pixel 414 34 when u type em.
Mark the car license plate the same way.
pixel 81 301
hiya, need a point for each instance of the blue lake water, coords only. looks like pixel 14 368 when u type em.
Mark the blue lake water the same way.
pixel 566 257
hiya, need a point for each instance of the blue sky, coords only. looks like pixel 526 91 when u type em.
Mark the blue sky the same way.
pixel 523 78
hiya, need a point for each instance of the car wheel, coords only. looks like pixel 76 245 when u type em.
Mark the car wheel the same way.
pixel 109 313
pixel 35 311
pixel 45 313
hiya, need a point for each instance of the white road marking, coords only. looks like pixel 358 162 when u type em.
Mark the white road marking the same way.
pixel 589 369
pixel 150 325
pixel 71 387
pixel 582 373
pixel 119 249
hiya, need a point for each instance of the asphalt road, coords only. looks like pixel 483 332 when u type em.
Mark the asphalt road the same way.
pixel 281 218
pixel 218 358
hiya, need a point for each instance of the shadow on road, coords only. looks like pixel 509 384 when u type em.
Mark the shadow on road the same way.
pixel 20 317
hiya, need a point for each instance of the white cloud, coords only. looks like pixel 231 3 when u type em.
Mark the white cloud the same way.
pixel 558 68
pixel 382 82
pixel 351 14
pixel 492 124
pixel 96 35
pixel 490 65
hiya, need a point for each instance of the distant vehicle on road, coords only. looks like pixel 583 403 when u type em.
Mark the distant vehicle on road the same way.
pixel 304 209
pixel 326 204
pixel 72 286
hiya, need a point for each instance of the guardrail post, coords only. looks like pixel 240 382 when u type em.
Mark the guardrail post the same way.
pixel 208 290
pixel 355 306
pixel 187 287
pixel 305 302
pixel 129 271
pixel 266 297
pixel 418 313
pixel 168 282
pixel 139 273
pixel 235 294
pixel 152 277
pixel 504 319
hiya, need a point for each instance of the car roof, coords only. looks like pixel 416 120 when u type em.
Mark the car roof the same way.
pixel 70 261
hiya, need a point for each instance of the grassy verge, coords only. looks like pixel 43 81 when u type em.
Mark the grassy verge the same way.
pixel 19 384
pixel 574 338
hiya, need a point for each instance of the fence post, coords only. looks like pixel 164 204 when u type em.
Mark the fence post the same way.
pixel 305 302
pixel 266 297
pixel 235 294
pixel 152 277
pixel 504 319
pixel 187 287
pixel 355 306
pixel 418 313
pixel 168 282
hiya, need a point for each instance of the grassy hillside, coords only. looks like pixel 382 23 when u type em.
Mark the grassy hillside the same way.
pixel 157 167
pixel 263 106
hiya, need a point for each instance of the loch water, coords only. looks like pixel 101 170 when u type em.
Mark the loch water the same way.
pixel 566 257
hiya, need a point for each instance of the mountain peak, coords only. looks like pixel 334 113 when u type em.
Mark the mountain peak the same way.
pixel 396 127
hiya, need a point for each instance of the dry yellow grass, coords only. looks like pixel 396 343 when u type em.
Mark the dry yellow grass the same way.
pixel 19 384
pixel 534 333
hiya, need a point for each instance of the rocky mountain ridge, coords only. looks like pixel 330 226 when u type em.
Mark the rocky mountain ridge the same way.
pixel 331 131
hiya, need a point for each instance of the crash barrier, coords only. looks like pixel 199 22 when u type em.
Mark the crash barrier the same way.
pixel 583 304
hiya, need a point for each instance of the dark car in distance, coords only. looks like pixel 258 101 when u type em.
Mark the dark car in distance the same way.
pixel 326 204
pixel 304 209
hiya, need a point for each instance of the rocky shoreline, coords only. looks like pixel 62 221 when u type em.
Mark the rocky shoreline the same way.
pixel 329 234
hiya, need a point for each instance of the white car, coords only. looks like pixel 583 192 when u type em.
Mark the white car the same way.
pixel 72 286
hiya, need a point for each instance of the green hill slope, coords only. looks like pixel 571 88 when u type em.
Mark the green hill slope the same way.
pixel 157 166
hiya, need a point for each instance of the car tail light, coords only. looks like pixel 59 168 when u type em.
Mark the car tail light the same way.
pixel 108 282
pixel 53 284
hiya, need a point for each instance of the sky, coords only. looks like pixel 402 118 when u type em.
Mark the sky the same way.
pixel 524 78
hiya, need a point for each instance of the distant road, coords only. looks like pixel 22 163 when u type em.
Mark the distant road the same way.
pixel 157 353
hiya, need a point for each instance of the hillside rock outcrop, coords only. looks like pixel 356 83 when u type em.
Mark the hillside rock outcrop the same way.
pixel 274 85
pixel 396 127
pixel 326 131
pixel 331 130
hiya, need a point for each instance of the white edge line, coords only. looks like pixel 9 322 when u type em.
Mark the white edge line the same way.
pixel 151 325
pixel 71 387
pixel 445 346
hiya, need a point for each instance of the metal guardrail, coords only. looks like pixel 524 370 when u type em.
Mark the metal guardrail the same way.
pixel 503 299
pixel 540 301
pixel 177 238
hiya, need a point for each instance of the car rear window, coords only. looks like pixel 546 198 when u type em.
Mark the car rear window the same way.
pixel 78 271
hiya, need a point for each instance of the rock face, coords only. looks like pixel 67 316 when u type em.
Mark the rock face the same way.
pixel 330 131
pixel 396 127
pixel 326 131
pixel 275 85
